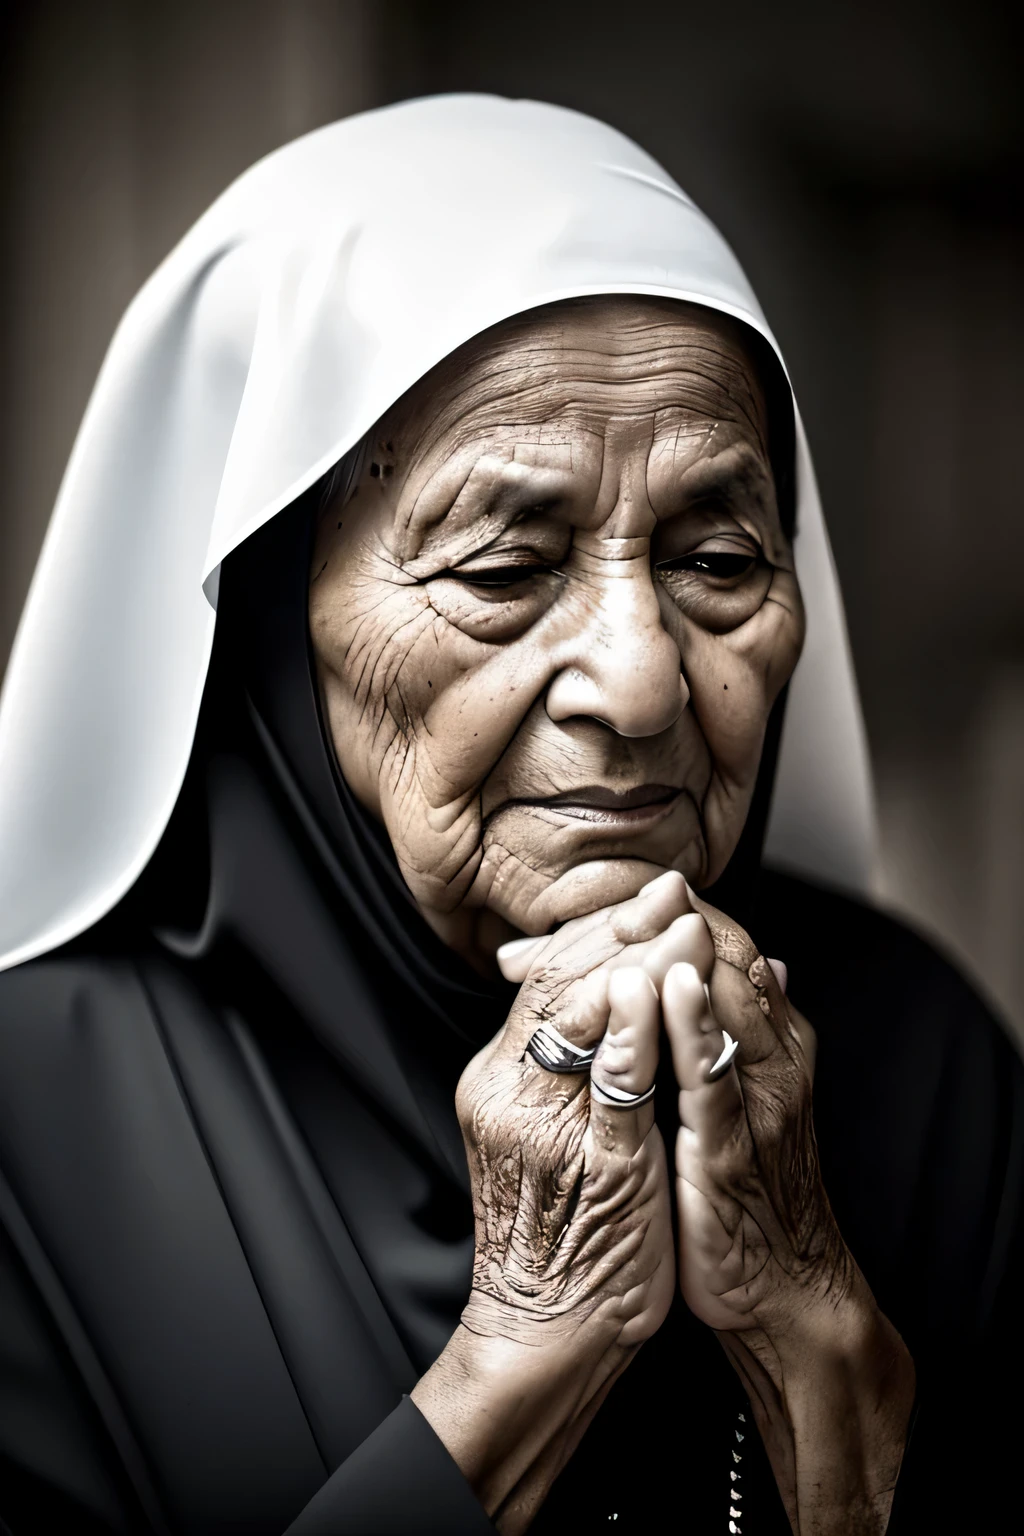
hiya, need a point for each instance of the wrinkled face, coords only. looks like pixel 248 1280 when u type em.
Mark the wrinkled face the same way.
pixel 551 622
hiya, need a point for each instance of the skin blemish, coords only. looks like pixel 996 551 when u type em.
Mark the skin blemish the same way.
pixel 375 470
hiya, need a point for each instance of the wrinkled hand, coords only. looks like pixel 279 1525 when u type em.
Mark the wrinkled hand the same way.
pixel 574 1264
pixel 761 1257
pixel 759 1241
pixel 571 1197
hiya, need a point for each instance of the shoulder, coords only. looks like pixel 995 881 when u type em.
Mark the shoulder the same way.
pixel 72 1020
pixel 60 979
pixel 65 993
pixel 72 1027
pixel 64 1019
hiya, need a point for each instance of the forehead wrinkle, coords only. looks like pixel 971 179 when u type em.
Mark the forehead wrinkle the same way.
pixel 670 425
pixel 527 378
pixel 564 374
pixel 571 377
pixel 585 405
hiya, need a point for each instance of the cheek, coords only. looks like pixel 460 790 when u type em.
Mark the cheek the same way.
pixel 419 713
pixel 364 633
pixel 735 678
pixel 727 697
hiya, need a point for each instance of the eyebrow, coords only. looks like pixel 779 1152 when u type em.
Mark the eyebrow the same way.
pixel 717 473
pixel 492 496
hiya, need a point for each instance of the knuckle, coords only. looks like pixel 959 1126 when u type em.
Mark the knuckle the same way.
pixel 693 928
pixel 545 983
pixel 575 1006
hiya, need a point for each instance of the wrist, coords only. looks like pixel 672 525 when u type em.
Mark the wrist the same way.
pixel 850 1410
pixel 845 1339
pixel 859 1364
pixel 503 1407
pixel 841 1361
pixel 832 1394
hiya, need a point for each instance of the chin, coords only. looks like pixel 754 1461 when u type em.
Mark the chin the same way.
pixel 556 895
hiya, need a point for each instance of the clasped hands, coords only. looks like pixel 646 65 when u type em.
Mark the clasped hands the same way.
pixel 576 1263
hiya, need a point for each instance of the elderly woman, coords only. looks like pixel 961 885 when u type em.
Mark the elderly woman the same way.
pixel 388 1047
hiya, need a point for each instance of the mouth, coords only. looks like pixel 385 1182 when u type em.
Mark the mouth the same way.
pixel 630 809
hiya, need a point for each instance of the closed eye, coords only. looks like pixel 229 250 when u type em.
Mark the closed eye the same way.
pixel 724 567
pixel 497 575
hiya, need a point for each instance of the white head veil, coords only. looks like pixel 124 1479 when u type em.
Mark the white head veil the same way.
pixel 319 287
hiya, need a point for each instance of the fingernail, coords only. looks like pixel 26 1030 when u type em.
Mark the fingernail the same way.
pixel 514 948
pixel 781 972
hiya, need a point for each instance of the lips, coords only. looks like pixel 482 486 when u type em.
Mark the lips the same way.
pixel 610 808
pixel 596 797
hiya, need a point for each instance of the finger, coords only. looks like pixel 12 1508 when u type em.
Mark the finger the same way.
pixel 627 1058
pixel 687 939
pixel 708 1109
pixel 806 1035
pixel 515 958
pixel 651 911
pixel 733 944
pixel 664 897
pixel 626 1061
pixel 566 985
pixel 772 1000
pixel 644 888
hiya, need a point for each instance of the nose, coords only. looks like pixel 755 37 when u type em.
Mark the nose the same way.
pixel 622 667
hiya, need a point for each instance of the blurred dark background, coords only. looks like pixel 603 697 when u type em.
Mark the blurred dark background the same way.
pixel 865 160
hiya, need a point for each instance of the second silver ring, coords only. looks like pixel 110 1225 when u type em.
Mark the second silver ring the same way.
pixel 618 1098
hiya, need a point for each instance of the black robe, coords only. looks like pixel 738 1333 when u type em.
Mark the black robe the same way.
pixel 235 1224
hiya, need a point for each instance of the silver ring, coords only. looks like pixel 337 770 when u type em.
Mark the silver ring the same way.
pixel 617 1098
pixel 555 1053
pixel 724 1061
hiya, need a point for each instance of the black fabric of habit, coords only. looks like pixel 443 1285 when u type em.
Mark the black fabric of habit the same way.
pixel 234 1214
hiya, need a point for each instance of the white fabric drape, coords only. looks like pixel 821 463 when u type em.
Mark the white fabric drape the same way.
pixel 322 284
